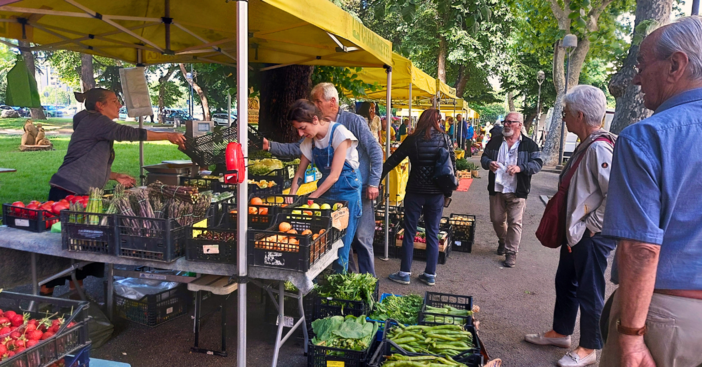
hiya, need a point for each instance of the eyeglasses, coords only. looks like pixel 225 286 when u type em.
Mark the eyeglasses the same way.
pixel 509 122
pixel 564 113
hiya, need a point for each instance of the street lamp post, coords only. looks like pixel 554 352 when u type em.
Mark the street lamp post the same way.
pixel 570 42
pixel 540 77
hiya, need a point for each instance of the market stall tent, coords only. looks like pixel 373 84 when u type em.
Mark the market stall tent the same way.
pixel 408 81
pixel 283 32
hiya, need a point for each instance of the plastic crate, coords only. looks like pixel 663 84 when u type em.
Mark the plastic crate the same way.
pixel 379 236
pixel 218 210
pixel 397 213
pixel 471 357
pixel 66 341
pixel 82 237
pixel 202 184
pixel 295 209
pixel 150 238
pixel 319 356
pixel 33 220
pixel 282 177
pixel 421 254
pixel 435 299
pixel 261 216
pixel 80 358
pixel 327 306
pixel 270 248
pixel 211 244
pixel 378 357
pixel 155 309
pixel 463 231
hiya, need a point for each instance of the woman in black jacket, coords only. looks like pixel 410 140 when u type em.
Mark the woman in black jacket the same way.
pixel 423 195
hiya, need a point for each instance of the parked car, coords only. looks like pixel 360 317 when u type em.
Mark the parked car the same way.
pixel 69 111
pixel 51 110
pixel 220 119
pixel 23 111
pixel 181 116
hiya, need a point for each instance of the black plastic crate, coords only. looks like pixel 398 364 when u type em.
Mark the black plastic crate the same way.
pixel 471 357
pixel 463 231
pixel 282 177
pixel 421 254
pixel 202 184
pixel 327 306
pixel 295 209
pixel 66 341
pixel 396 213
pixel 155 309
pixel 33 220
pixel 150 238
pixel 82 237
pixel 320 356
pixel 379 236
pixel 271 248
pixel 211 244
pixel 262 215
pixel 435 299
pixel 218 209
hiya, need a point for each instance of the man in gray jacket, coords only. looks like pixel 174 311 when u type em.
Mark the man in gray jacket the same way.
pixel 326 98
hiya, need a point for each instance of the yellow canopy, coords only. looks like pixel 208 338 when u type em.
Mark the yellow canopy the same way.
pixel 445 91
pixel 404 74
pixel 304 32
pixel 446 107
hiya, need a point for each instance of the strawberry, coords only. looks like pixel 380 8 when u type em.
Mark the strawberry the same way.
pixel 17 320
pixel 4 321
pixel 3 349
pixel 10 314
pixel 32 322
pixel 30 327
pixel 5 330
pixel 20 349
pixel 20 343
pixel 31 343
pixel 10 354
pixel 15 335
pixel 47 335
pixel 34 335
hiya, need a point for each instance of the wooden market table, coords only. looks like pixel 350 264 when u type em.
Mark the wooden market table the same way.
pixel 47 243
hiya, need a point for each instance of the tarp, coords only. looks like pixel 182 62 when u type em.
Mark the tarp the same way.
pixel 404 73
pixel 21 87
pixel 445 90
pixel 304 32
pixel 446 107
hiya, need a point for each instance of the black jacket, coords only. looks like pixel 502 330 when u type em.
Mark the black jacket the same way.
pixel 423 155
pixel 528 160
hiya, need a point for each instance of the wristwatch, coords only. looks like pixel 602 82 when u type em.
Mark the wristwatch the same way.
pixel 630 331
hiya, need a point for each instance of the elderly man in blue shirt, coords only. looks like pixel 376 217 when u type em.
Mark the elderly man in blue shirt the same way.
pixel 326 98
pixel 654 209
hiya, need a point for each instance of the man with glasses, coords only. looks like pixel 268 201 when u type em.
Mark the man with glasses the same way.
pixel 512 159
pixel 654 210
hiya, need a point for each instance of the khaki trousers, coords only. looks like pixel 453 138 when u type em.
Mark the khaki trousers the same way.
pixel 674 335
pixel 506 212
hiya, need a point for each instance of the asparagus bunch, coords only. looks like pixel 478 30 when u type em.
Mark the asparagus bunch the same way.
pixel 183 193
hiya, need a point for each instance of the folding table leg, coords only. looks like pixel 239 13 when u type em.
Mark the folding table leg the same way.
pixel 110 296
pixel 279 334
pixel 198 311
pixel 304 320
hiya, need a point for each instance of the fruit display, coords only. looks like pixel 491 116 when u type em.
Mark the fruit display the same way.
pixel 311 205
pixel 19 332
pixel 262 184
pixel 288 240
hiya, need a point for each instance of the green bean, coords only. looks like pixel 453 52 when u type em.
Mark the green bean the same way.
pixel 404 340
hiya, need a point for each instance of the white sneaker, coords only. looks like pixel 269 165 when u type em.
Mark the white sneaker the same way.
pixel 540 339
pixel 572 359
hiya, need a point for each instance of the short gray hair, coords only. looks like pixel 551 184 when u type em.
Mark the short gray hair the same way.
pixel 520 117
pixel 328 91
pixel 589 100
pixel 685 35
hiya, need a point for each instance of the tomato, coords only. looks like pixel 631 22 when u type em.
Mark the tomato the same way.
pixel 16 210
pixel 70 198
pixel 57 207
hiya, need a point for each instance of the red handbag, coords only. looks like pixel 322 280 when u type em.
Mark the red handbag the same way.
pixel 552 228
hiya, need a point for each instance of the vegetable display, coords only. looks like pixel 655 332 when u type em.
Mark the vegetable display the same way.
pixel 462 164
pixel 434 314
pixel 398 360
pixel 264 166
pixel 348 332
pixel 448 340
pixel 349 286
pixel 404 309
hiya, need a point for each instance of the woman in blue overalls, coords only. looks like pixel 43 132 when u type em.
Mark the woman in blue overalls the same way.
pixel 332 148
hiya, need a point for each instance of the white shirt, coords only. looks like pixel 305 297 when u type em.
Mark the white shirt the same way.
pixel 504 182
pixel 340 135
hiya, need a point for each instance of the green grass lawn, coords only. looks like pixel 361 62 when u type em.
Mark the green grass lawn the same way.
pixel 34 169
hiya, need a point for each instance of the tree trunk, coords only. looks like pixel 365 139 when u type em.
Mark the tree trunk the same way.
pixel 528 121
pixel 162 91
pixel 577 58
pixel 630 108
pixel 279 89
pixel 461 81
pixel 441 62
pixel 87 75
pixel 36 113
pixel 510 102
pixel 200 93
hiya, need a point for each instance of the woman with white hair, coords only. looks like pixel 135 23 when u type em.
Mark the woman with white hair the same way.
pixel 580 281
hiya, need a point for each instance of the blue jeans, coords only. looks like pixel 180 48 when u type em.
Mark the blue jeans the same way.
pixel 433 207
pixel 580 284
pixel 363 243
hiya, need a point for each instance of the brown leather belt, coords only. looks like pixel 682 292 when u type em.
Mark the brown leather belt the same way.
pixel 694 294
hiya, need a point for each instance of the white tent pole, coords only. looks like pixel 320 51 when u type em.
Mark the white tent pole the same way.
pixel 388 126
pixel 141 126
pixel 242 200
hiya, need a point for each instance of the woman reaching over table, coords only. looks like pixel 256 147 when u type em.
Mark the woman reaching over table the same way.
pixel 90 154
pixel 332 148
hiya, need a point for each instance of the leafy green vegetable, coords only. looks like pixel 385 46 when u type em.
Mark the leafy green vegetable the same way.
pixel 259 154
pixel 350 286
pixel 461 164
pixel 348 332
pixel 404 309
pixel 264 166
